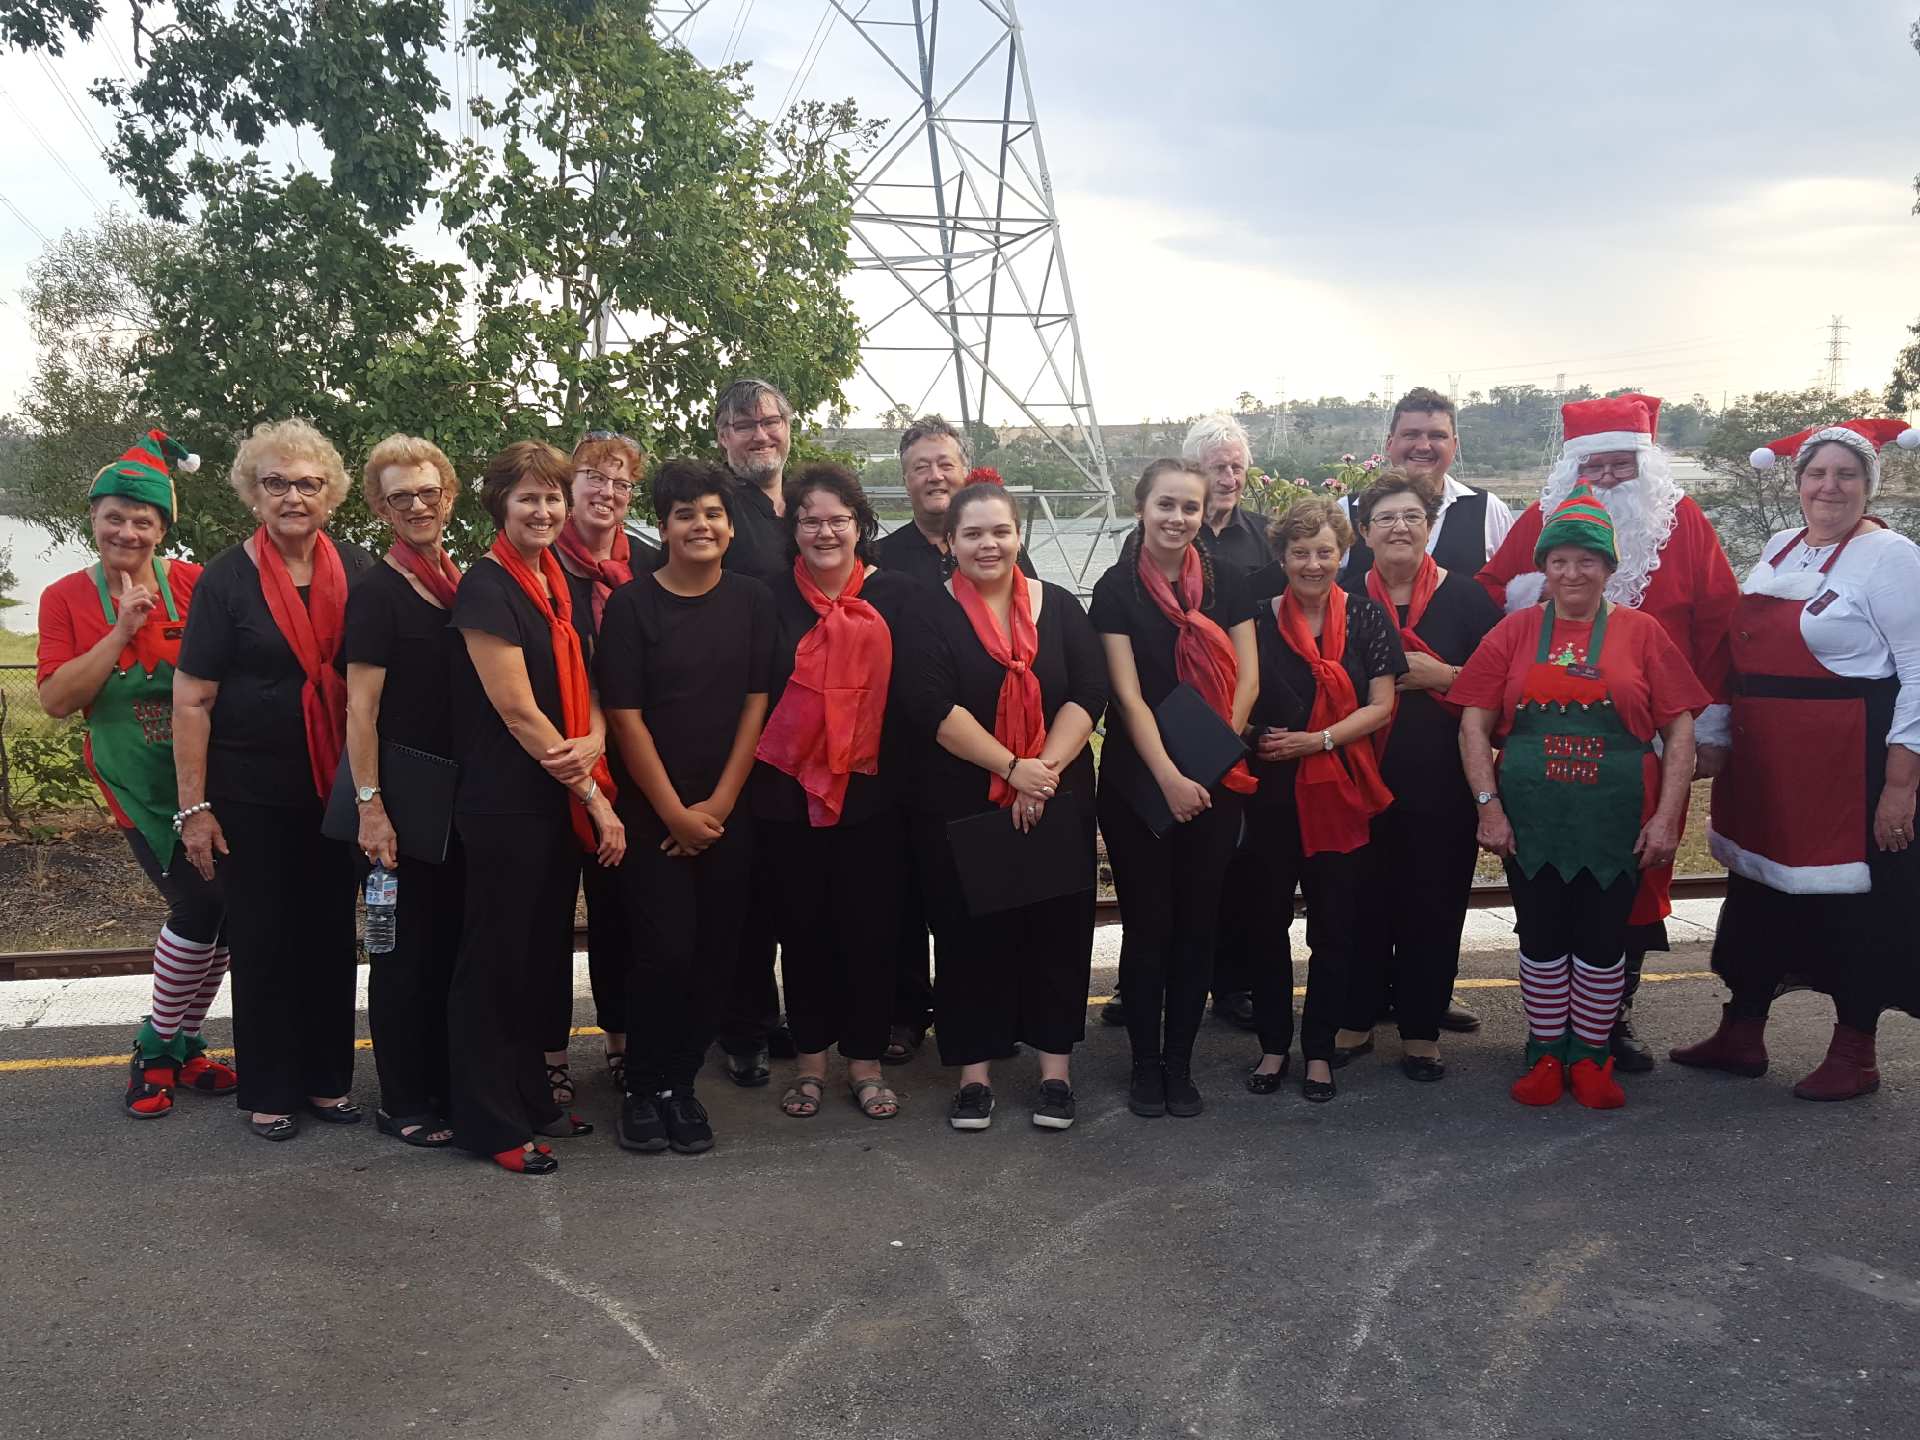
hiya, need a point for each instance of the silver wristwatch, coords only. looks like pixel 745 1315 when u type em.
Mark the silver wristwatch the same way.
pixel 364 795
pixel 1485 797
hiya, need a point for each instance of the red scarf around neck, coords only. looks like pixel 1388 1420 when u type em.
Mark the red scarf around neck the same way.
pixel 1426 580
pixel 1335 801
pixel 442 580
pixel 827 724
pixel 609 574
pixel 576 698
pixel 1202 655
pixel 312 632
pixel 1019 717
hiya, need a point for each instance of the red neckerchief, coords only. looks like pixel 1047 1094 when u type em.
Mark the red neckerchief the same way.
pixel 826 727
pixel 1202 655
pixel 1019 717
pixel 1426 580
pixel 1335 801
pixel 441 580
pixel 576 698
pixel 312 632
pixel 609 574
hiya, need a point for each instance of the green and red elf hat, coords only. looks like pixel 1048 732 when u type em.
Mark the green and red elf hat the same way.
pixel 1864 437
pixel 1581 520
pixel 142 474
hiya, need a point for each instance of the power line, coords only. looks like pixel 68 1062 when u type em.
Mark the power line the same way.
pixel 738 32
pixel 21 216
pixel 119 60
pixel 67 98
pixel 52 154
pixel 808 59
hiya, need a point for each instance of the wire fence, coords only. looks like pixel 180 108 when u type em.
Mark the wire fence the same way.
pixel 43 767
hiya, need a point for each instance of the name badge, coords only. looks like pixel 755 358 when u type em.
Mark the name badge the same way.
pixel 1823 602
pixel 1584 672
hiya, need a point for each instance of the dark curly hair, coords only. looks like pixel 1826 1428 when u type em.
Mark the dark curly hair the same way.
pixel 684 480
pixel 841 483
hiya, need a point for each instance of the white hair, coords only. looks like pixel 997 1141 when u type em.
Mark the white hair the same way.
pixel 1642 510
pixel 1213 432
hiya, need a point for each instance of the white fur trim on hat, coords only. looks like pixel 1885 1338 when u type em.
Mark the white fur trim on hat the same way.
pixel 189 465
pixel 1763 459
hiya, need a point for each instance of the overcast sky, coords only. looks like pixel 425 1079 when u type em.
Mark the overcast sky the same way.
pixel 1253 193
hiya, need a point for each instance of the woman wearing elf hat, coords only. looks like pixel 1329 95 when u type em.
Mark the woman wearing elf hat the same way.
pixel 109 638
pixel 1813 812
pixel 1575 692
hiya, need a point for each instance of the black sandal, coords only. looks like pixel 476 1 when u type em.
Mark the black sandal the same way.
pixel 341 1112
pixel 560 1078
pixel 565 1128
pixel 414 1129
pixel 617 1070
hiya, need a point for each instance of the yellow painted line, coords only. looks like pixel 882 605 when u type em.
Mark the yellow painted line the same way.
pixel 101 1062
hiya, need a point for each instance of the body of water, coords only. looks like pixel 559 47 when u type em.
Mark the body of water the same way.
pixel 38 561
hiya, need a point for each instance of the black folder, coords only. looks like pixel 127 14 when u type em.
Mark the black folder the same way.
pixel 1201 745
pixel 417 790
pixel 1001 868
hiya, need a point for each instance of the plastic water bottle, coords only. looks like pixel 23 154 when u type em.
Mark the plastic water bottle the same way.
pixel 383 902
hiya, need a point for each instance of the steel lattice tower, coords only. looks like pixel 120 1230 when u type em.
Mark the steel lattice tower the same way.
pixel 961 280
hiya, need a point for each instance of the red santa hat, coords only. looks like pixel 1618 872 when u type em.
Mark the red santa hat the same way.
pixel 1864 437
pixel 1614 422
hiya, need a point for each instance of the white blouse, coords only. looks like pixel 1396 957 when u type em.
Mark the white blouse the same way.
pixel 1871 628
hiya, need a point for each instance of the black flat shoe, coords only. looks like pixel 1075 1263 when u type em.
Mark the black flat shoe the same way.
pixel 283 1128
pixel 565 1128
pixel 749 1071
pixel 343 1112
pixel 1345 1055
pixel 1147 1091
pixel 414 1129
pixel 1318 1091
pixel 1422 1067
pixel 1459 1021
pixel 1183 1096
pixel 1264 1084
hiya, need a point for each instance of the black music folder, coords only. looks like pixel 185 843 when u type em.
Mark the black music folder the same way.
pixel 1201 745
pixel 417 789
pixel 1001 868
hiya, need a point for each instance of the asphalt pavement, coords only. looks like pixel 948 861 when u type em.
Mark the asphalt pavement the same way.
pixel 1418 1261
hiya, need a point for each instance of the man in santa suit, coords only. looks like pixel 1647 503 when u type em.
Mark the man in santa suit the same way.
pixel 1671 567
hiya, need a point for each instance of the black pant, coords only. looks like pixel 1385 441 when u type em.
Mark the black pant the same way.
pixel 687 915
pixel 1555 916
pixel 195 907
pixel 1169 889
pixel 838 893
pixel 1417 880
pixel 609 952
pixel 407 987
pixel 521 873
pixel 913 973
pixel 289 896
pixel 1238 941
pixel 1332 886
pixel 1018 977
pixel 750 1002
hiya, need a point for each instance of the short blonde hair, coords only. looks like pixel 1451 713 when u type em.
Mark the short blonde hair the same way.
pixel 408 450
pixel 1306 518
pixel 297 440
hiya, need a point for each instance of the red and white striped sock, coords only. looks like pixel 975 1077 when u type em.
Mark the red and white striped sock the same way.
pixel 209 988
pixel 179 967
pixel 1543 989
pixel 1596 999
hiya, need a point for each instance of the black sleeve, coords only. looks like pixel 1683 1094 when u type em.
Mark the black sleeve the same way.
pixel 1109 611
pixel 1381 651
pixel 355 561
pixel 760 638
pixel 924 671
pixel 371 625
pixel 1233 597
pixel 1265 583
pixel 482 604
pixel 1479 613
pixel 619 660
pixel 1086 659
pixel 206 651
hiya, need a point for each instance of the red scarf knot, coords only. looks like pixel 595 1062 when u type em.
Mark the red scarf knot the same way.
pixel 1336 801
pixel 1202 654
pixel 1426 580
pixel 1019 715
pixel 439 575
pixel 312 632
pixel 827 725
pixel 607 575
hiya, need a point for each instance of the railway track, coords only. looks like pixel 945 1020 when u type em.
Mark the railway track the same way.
pixel 82 964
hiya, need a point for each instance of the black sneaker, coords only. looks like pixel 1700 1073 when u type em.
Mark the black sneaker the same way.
pixel 1183 1096
pixel 688 1130
pixel 1147 1092
pixel 640 1126
pixel 1053 1106
pixel 972 1108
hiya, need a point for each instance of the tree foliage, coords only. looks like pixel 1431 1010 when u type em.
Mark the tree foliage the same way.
pixel 42 24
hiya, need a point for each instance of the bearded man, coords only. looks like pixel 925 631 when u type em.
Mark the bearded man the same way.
pixel 1671 567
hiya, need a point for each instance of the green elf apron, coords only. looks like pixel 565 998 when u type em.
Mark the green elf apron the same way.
pixel 1572 776
pixel 130 723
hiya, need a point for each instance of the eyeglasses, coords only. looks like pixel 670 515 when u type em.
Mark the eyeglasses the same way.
pixel 813 525
pixel 308 485
pixel 404 500
pixel 1398 520
pixel 744 429
pixel 1618 469
pixel 596 481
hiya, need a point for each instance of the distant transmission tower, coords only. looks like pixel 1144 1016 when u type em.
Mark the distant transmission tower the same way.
pixel 1836 354
pixel 954 221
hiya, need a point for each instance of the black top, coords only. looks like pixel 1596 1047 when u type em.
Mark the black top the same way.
pixel 498 776
pixel 1422 763
pixel 759 546
pixel 257 752
pixel 944 665
pixel 687 663
pixel 1287 688
pixel 390 625
pixel 1121 607
pixel 1462 545
pixel 1241 543
pixel 911 553
pixel 777 795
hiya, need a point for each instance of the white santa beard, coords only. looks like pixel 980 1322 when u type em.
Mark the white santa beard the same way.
pixel 1642 511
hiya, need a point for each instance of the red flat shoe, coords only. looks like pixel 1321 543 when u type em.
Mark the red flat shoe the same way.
pixel 1544 1084
pixel 1594 1085
pixel 209 1077
pixel 149 1086
pixel 521 1161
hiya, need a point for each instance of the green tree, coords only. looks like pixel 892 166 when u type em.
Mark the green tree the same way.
pixel 42 24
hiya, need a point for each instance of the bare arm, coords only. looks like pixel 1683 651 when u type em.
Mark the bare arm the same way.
pixel 365 685
pixel 965 737
pixel 1476 758
pixel 200 833
pixel 502 668
pixel 1246 688
pixel 1298 744
pixel 1660 836
pixel 1893 814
